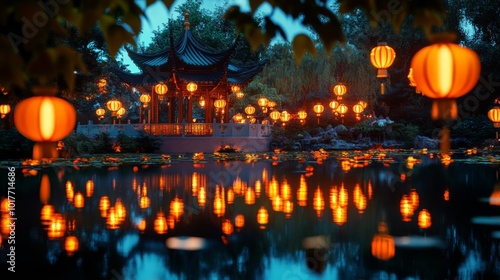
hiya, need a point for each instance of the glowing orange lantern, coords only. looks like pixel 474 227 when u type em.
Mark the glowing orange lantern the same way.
pixel 240 94
pixel 341 109
pixel 445 71
pixel 100 113
pixel 201 102
pixel 44 119
pixel 102 84
pixel 145 99
pixel 249 110
pixel 285 116
pixel 339 90
pixel 302 116
pixel 383 246
pixel 363 104
pixel 262 217
pixel 4 110
pixel 382 57
pixel 219 103
pixel 275 115
pixel 191 87
pixel 494 116
pixel 262 102
pixel 161 89
pixel 120 112
pixel 235 88
pixel 113 106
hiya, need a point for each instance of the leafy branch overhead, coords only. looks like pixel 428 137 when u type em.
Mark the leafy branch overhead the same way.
pixel 322 20
pixel 30 52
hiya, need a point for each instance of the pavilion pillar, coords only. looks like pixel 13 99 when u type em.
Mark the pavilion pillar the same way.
pixel 208 109
pixel 171 111
pixel 190 109
pixel 154 106
pixel 180 115
pixel 226 108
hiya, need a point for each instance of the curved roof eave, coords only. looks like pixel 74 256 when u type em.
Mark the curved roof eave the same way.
pixel 141 79
pixel 191 52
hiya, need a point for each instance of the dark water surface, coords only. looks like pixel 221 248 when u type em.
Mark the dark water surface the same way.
pixel 329 219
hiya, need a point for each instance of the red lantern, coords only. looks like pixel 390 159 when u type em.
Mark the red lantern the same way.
pixel 44 119
pixel 383 246
pixel 445 71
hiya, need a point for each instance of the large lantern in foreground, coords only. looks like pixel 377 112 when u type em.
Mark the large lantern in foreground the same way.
pixel 445 71
pixel 44 119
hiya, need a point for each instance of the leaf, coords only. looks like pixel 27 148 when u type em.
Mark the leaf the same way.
pixel 254 4
pixel 42 65
pixel 134 21
pixel 116 37
pixel 168 3
pixel 302 44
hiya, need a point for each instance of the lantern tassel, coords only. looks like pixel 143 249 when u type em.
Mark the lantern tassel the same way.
pixel 382 88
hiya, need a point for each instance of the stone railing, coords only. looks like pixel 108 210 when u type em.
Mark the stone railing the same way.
pixel 178 129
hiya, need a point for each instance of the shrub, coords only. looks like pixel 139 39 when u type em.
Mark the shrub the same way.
pixel 14 145
pixel 146 143
pixel 103 143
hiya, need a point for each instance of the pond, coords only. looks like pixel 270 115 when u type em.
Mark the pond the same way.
pixel 311 215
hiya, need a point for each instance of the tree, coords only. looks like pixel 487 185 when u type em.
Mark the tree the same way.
pixel 29 56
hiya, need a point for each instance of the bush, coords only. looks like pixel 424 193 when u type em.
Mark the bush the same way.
pixel 146 143
pixel 125 144
pixel 14 145
pixel 103 143
pixel 405 133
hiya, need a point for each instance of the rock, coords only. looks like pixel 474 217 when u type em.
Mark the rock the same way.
pixel 421 142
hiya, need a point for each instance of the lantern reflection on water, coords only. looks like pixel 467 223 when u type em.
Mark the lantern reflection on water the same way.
pixel 424 219
pixel 160 223
pixel 262 217
pixel 383 246
pixel 71 244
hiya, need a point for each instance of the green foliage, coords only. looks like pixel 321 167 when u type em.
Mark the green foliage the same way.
pixel 472 131
pixel 103 143
pixel 14 145
pixel 146 143
pixel 405 133
pixel 125 144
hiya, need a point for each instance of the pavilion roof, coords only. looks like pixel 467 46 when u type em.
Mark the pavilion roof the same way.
pixel 187 60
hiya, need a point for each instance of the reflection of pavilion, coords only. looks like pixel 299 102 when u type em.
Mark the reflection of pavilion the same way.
pixel 185 75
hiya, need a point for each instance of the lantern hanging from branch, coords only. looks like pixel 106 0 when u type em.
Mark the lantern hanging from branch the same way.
pixel 285 117
pixel 339 90
pixel 358 109
pixel 45 119
pixel 342 109
pixel 262 102
pixel 382 57
pixel 235 88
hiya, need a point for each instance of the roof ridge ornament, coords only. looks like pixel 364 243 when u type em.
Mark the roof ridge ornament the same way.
pixel 186 20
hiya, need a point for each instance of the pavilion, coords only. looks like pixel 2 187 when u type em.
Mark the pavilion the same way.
pixel 187 71
pixel 181 74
